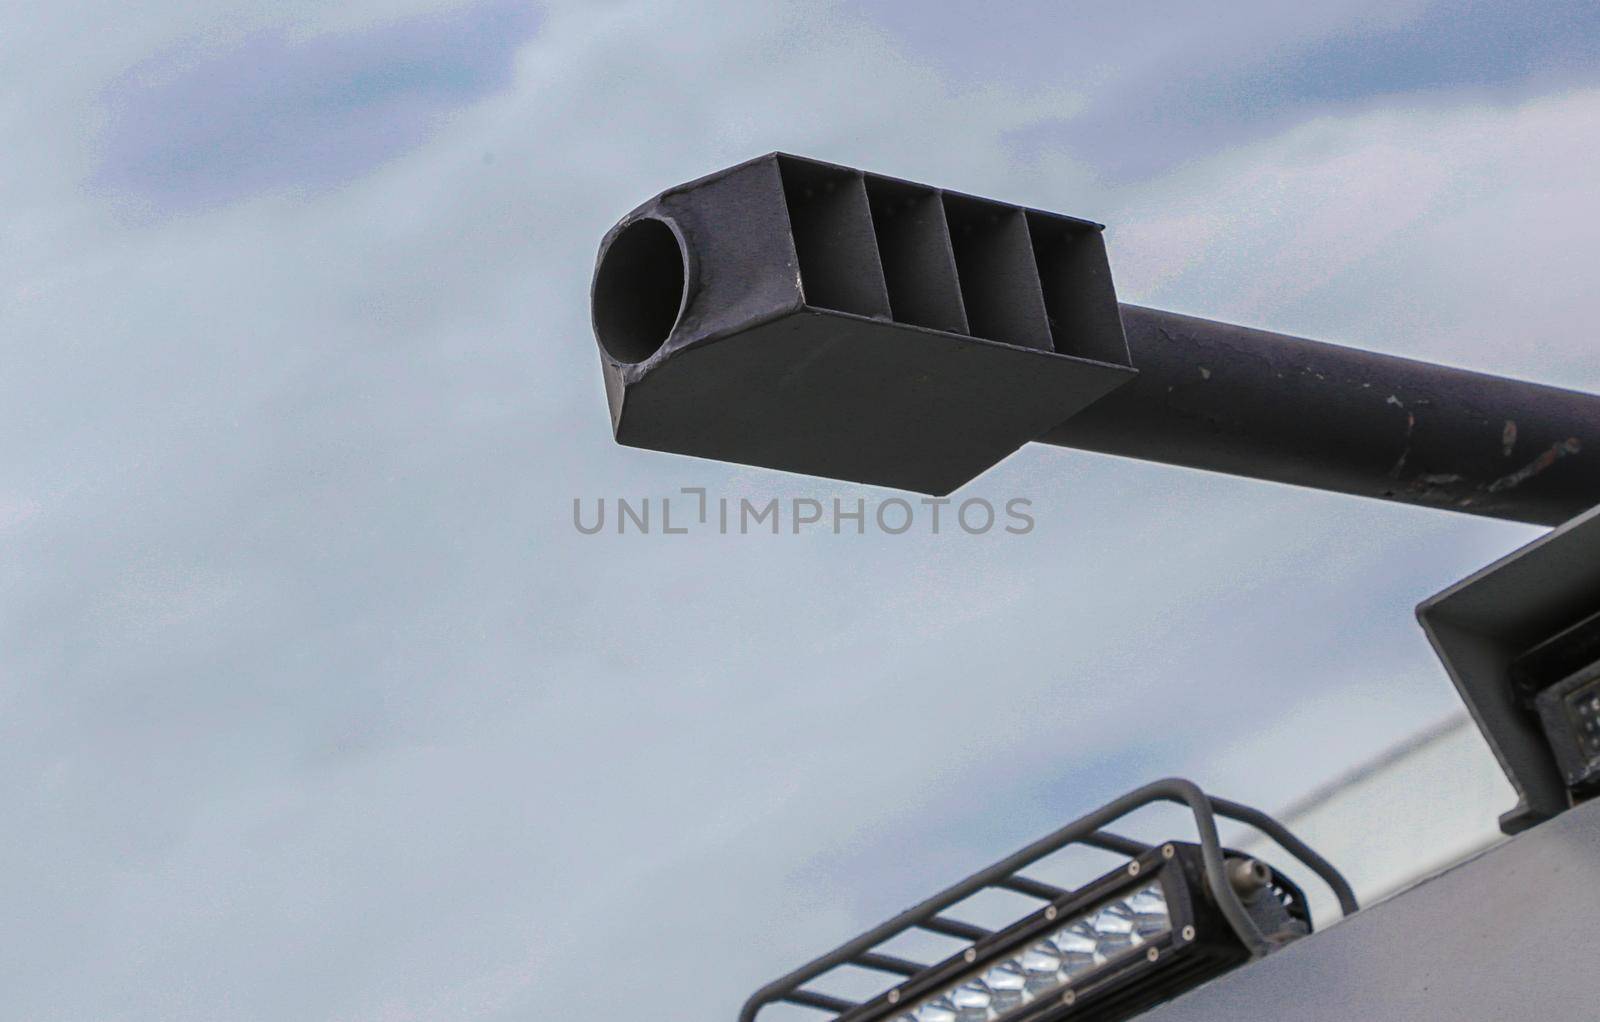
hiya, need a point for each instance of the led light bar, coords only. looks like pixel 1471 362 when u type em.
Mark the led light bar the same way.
pixel 1171 917
pixel 1050 965
pixel 1132 938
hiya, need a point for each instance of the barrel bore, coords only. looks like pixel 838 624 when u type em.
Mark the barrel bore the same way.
pixel 638 290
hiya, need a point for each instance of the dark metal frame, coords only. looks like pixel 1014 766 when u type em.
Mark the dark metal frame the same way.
pixel 1481 626
pixel 1086 830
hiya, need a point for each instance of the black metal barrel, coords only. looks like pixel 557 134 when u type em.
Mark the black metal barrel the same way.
pixel 812 318
pixel 1253 403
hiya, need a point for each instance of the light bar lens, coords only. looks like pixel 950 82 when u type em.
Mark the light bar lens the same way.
pixel 1584 704
pixel 1050 964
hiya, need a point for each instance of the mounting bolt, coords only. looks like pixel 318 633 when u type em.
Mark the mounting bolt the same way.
pixel 1152 954
pixel 1133 869
pixel 1168 851
pixel 1247 876
pixel 1188 933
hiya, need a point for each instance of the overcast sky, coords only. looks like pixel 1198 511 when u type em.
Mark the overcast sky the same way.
pixel 314 704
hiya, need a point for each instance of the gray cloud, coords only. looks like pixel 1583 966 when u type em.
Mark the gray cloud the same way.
pixel 1171 86
pixel 274 111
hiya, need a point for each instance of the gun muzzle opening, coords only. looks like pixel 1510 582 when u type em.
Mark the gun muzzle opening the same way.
pixel 639 289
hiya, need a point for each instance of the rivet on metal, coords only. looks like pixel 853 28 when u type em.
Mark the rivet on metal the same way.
pixel 1188 933
pixel 1069 997
pixel 971 955
pixel 1168 851
pixel 894 997
pixel 1133 869
pixel 1152 954
pixel 1050 913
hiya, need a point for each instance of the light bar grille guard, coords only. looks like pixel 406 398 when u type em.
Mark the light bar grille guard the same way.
pixel 1003 875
